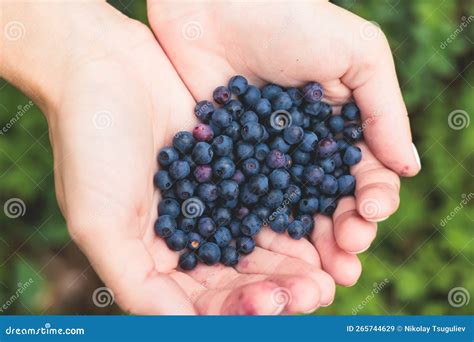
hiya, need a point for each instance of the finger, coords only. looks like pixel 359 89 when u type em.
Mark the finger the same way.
pixel 377 188
pixel 284 244
pixel 352 232
pixel 262 261
pixel 343 267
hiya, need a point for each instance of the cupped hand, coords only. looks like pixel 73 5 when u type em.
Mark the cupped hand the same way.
pixel 119 104
pixel 291 44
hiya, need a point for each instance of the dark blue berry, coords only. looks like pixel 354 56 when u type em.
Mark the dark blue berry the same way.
pixel 276 159
pixel 296 230
pixel 278 143
pixel 250 167
pixel 165 226
pixel 241 211
pixel 300 157
pixel 350 111
pixel 251 225
pixel 342 144
pixel 353 133
pixel 234 108
pixel 222 145
pixel 168 193
pixel 325 110
pixel 222 237
pixel 248 116
pixel 327 205
pixel 258 184
pixel 329 185
pixel 270 90
pixel 183 141
pixel 167 155
pixel 252 132
pixel 312 109
pixel 346 184
pixel 293 134
pixel 251 96
pixel 281 101
pixel 311 191
pixel 263 108
pixel 313 92
pixel 229 256
pixel 232 203
pixel 238 84
pixel 328 164
pixel 221 216
pixel 247 197
pixel 313 174
pixel 307 221
pixel 203 110
pixel 296 96
pixel 223 168
pixel 273 199
pixel 262 212
pixel 221 118
pixel 327 147
pixel 194 241
pixel 309 143
pixel 238 177
pixel 244 150
pixel 177 241
pixel 234 227
pixel 203 173
pixel 296 172
pixel 233 131
pixel 184 189
pixel 280 179
pixel 293 194
pixel 209 253
pixel 309 205
pixel 162 180
pixel 179 169
pixel 188 261
pixel 352 155
pixel 279 222
pixel 297 117
pixel 228 189
pixel 221 95
pixel 207 192
pixel 336 157
pixel 245 244
pixel 186 224
pixel 206 227
pixel 170 207
pixel 336 123
pixel 261 151
pixel 202 153
pixel 321 130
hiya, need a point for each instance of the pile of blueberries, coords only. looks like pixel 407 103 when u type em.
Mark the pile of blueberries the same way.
pixel 269 156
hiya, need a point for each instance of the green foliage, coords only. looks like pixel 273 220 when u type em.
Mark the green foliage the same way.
pixel 421 258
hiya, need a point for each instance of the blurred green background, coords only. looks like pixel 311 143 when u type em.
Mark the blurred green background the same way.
pixel 418 264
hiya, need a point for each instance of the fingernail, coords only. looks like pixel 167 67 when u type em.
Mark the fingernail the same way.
pixel 377 219
pixel 417 156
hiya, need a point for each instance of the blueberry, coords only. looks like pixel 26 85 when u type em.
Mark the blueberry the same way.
pixel 232 203
pixel 336 157
pixel 223 168
pixel 241 211
pixel 183 141
pixel 203 132
pixel 346 184
pixel 327 205
pixel 308 223
pixel 261 151
pixel 325 110
pixel 248 116
pixel 228 189
pixel 270 90
pixel 280 179
pixel 202 153
pixel 216 129
pixel 229 256
pixel 276 159
pixel 327 147
pixel 165 226
pixel 329 185
pixel 297 117
pixel 309 143
pixel 168 194
pixel 162 180
pixel 321 130
pixel 296 96
pixel 309 205
pixel 313 174
pixel 170 207
pixel 186 224
pixel 188 261
pixel 350 111
pixel 247 197
pixel 265 170
pixel 293 134
pixel 340 171
pixel 209 253
pixel 177 241
pixel 353 133
pixel 221 118
pixel 245 244
pixel 206 227
pixel 179 169
pixel 336 123
pixel 194 241
pixel 221 95
pixel 281 101
pixel 328 164
pixel 258 184
pixel 293 194
pixel 312 109
pixel 273 199
pixel 300 157
pixel 252 132
pixel 296 230
pixel 251 96
pixel 266 135
pixel 250 167
pixel 222 237
pixel 352 155
pixel 280 144
pixel 222 145
pixel 234 227
pixel 279 222
pixel 313 92
pixel 306 122
pixel 238 84
pixel 263 108
pixel 221 216
pixel 296 172
pixel 262 212
pixel 167 155
pixel 207 192
pixel 233 131
pixel 311 191
pixel 342 145
pixel 244 150
pixel 184 189
pixel 251 225
pixel 238 177
pixel 203 173
pixel 203 110
pixel 234 108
